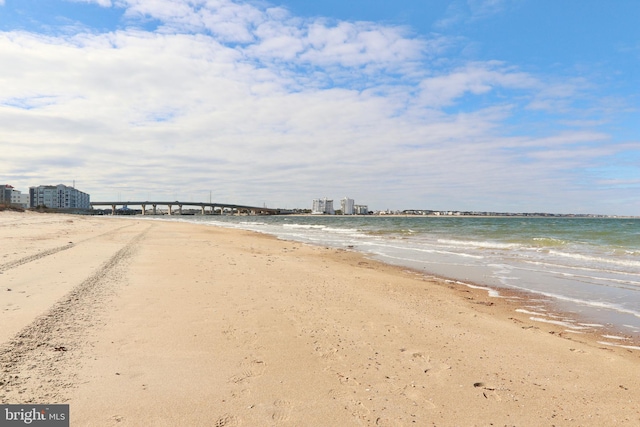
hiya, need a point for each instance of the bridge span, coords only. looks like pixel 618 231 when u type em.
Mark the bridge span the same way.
pixel 213 207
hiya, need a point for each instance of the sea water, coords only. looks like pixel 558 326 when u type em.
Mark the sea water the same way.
pixel 586 268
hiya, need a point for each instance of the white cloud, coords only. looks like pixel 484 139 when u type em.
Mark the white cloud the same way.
pixel 485 8
pixel 103 3
pixel 466 11
pixel 474 78
pixel 253 104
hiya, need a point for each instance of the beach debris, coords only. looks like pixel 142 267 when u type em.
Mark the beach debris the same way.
pixel 487 303
pixel 60 348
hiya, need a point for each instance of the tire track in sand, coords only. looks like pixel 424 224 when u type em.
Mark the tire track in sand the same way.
pixel 30 258
pixel 9 265
pixel 38 364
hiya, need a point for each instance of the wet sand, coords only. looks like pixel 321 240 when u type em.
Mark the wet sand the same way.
pixel 135 322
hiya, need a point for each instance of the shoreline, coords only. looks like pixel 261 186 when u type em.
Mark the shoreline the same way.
pixel 560 322
pixel 556 321
pixel 573 323
pixel 164 322
pixel 555 311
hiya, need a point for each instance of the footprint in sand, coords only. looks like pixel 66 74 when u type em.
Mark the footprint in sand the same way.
pixel 388 422
pixel 229 333
pixel 327 354
pixel 436 368
pixel 250 369
pixel 255 368
pixel 337 394
pixel 416 395
pixel 425 363
pixel 226 421
pixel 358 409
pixel 282 411
pixel 350 381
pixel 240 393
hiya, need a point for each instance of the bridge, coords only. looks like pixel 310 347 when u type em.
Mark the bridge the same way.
pixel 213 207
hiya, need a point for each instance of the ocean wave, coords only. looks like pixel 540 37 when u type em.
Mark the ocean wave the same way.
pixel 405 259
pixel 548 242
pixel 579 301
pixel 392 232
pixel 479 244
pixel 423 250
pixel 352 232
pixel 305 226
pixel 576 267
pixel 598 259
pixel 564 323
pixel 349 231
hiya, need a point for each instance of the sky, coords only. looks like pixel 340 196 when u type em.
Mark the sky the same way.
pixel 481 105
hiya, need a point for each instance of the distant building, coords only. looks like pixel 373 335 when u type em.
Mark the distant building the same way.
pixel 5 194
pixel 10 196
pixel 361 209
pixel 347 206
pixel 322 207
pixel 58 197
pixel 19 199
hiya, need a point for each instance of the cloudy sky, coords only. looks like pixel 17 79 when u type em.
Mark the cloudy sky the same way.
pixel 500 105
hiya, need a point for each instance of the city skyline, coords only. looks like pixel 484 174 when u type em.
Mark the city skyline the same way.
pixel 474 105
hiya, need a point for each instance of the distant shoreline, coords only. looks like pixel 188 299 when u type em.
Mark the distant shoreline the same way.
pixel 496 215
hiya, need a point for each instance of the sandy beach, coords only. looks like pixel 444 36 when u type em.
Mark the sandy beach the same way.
pixel 134 322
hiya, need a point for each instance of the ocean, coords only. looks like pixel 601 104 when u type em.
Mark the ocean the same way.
pixel 581 273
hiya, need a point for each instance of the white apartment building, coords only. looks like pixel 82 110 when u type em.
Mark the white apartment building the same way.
pixel 10 196
pixel 19 199
pixel 59 197
pixel 322 206
pixel 347 206
pixel 361 209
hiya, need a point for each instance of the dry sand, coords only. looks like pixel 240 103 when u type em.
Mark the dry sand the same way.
pixel 148 323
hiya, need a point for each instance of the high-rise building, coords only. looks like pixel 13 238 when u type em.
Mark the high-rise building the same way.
pixel 59 197
pixel 361 209
pixel 347 206
pixel 322 206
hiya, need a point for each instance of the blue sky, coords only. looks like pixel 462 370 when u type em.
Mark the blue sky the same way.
pixel 499 105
